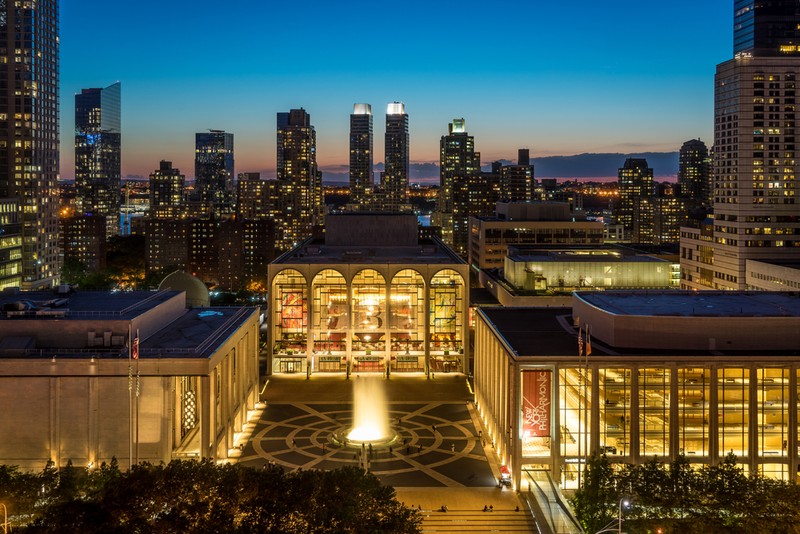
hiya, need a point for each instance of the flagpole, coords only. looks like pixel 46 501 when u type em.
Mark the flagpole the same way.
pixel 137 401
pixel 130 397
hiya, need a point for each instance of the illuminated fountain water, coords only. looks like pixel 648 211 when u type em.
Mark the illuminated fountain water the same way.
pixel 370 416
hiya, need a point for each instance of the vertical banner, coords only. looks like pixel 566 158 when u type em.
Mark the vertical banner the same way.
pixel 536 403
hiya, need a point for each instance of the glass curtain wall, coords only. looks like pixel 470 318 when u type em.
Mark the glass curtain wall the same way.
pixel 290 309
pixel 575 391
pixel 446 321
pixel 733 390
pixel 693 403
pixel 330 320
pixel 407 320
pixel 369 316
pixel 615 411
pixel 654 406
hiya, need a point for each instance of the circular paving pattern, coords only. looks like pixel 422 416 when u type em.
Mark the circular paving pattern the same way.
pixel 436 444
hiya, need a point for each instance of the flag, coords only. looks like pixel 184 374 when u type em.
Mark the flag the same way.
pixel 588 341
pixel 135 348
pixel 580 341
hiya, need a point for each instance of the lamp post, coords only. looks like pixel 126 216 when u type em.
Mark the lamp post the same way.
pixel 6 526
pixel 622 502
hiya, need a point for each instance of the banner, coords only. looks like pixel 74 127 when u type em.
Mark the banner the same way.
pixel 536 403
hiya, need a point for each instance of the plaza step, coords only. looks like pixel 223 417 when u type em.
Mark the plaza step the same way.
pixel 507 521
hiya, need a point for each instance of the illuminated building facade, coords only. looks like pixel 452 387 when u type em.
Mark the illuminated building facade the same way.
pixel 527 223
pixel 362 181
pixel 517 181
pixel 29 114
pixel 10 244
pixel 214 171
pixel 84 240
pixel 635 211
pixel 300 179
pixel 394 179
pixel 756 188
pixel 167 190
pixel 371 297
pixel 65 370
pixel 729 383
pixel 459 166
pixel 98 157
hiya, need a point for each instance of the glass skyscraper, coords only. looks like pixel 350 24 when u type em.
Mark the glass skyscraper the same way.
pixel 29 131
pixel 766 27
pixel 98 154
pixel 213 170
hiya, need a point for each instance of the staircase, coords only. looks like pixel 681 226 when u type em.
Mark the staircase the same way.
pixel 499 520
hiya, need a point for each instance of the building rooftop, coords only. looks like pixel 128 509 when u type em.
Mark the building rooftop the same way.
pixel 317 252
pixel 578 255
pixel 693 303
pixel 534 331
pixel 196 333
pixel 80 304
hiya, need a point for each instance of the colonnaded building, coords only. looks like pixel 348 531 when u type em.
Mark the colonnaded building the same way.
pixel 661 374
pixel 70 389
pixel 372 296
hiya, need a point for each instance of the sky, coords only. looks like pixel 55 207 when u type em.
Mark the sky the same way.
pixel 557 77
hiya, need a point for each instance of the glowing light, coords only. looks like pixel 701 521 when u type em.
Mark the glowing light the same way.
pixel 370 412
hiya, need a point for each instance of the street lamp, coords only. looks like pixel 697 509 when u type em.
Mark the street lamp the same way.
pixel 6 526
pixel 622 502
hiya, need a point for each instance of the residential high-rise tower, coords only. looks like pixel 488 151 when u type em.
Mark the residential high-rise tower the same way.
pixel 394 180
pixel 301 180
pixel 635 212
pixel 459 166
pixel 98 154
pixel 29 114
pixel 361 173
pixel 694 172
pixel 755 155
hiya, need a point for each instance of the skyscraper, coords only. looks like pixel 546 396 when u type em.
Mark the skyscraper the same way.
pixel 394 182
pixel 98 154
pixel 29 131
pixel 755 156
pixel 459 165
pixel 167 186
pixel 635 212
pixel 301 180
pixel 361 174
pixel 766 27
pixel 517 181
pixel 694 172
pixel 213 170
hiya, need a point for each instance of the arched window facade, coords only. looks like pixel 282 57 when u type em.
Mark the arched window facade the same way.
pixel 290 320
pixel 407 320
pixel 446 321
pixel 330 319
pixel 368 313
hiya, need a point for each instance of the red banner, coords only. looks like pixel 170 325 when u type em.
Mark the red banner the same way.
pixel 536 403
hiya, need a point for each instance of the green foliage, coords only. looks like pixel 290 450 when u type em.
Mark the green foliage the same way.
pixel 676 498
pixel 189 496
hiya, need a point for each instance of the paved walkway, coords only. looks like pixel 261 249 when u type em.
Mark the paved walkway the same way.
pixel 438 459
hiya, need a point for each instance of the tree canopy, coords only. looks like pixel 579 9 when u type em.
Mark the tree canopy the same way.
pixel 200 496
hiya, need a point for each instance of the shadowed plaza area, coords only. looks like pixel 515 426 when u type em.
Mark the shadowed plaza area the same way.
pixel 437 444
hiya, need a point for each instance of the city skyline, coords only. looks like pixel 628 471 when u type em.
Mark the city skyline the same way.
pixel 591 92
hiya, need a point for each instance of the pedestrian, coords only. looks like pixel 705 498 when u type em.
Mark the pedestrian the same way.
pixel 491 508
pixel 485 508
pixel 294 443
pixel 419 449
pixel 408 450
pixel 483 442
pixel 390 450
pixel 452 447
pixel 434 428
pixel 516 508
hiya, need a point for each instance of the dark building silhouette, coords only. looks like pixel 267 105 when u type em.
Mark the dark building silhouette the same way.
pixel 694 172
pixel 517 181
pixel 167 189
pixel 766 27
pixel 635 209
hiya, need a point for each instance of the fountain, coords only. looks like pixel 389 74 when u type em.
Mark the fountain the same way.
pixel 370 417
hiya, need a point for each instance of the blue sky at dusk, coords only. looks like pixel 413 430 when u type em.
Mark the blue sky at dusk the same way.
pixel 559 78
